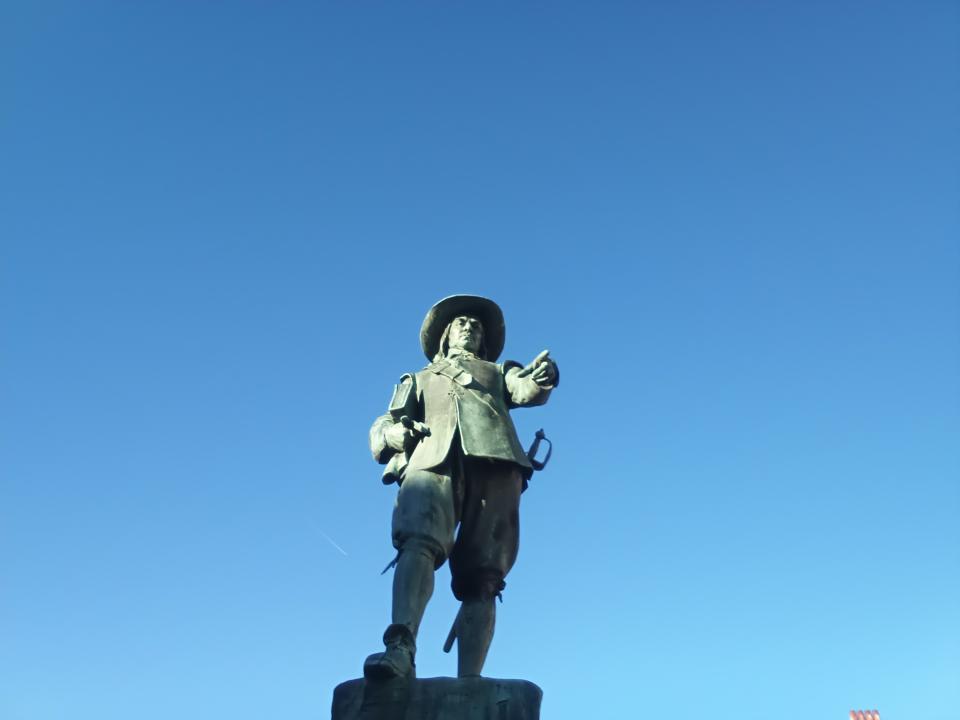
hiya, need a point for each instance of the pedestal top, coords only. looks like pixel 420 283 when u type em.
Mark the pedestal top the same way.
pixel 441 698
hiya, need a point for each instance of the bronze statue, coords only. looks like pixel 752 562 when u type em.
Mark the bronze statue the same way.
pixel 447 439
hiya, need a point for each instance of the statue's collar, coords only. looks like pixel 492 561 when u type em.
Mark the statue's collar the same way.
pixel 459 354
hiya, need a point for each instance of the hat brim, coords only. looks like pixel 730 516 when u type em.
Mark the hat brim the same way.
pixel 483 309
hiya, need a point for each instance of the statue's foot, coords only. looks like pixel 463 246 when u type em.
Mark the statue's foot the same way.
pixel 380 667
pixel 397 660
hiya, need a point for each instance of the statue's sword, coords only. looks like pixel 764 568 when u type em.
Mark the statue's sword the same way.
pixel 448 645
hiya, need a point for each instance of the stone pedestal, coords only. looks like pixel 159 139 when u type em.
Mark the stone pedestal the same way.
pixel 437 699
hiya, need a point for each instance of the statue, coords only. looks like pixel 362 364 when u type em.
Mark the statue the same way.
pixel 448 441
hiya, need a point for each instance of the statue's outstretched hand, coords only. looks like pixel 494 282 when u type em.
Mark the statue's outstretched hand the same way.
pixel 542 370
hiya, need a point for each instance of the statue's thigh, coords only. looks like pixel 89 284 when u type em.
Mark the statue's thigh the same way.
pixel 489 534
pixel 425 509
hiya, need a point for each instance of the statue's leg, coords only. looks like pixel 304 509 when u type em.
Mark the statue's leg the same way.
pixel 475 625
pixel 413 582
pixel 485 550
pixel 423 523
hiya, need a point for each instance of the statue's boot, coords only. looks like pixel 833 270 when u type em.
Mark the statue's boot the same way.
pixel 474 633
pixel 397 661
pixel 412 588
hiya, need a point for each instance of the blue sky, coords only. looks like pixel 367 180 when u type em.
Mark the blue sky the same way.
pixel 734 225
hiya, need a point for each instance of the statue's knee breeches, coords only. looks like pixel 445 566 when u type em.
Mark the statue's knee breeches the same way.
pixel 489 536
pixel 424 517
pixel 477 584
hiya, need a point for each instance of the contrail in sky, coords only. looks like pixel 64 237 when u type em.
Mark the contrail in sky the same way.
pixel 330 540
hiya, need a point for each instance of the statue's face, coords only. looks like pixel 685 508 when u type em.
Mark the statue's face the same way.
pixel 466 333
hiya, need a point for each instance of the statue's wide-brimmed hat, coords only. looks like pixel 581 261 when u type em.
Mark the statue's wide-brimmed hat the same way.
pixel 483 309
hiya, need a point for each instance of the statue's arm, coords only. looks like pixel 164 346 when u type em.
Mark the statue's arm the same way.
pixel 523 390
pixel 382 452
pixel 383 435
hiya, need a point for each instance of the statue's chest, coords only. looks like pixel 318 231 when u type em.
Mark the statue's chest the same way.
pixel 459 379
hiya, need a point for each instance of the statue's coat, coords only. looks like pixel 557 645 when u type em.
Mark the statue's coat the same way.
pixel 464 395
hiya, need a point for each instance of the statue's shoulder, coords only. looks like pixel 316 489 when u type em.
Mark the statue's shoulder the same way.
pixel 424 375
pixel 498 368
pixel 488 373
pixel 508 365
pixel 434 368
pixel 426 369
pixel 403 392
pixel 409 378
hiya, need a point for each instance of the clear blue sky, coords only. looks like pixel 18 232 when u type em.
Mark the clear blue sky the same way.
pixel 735 225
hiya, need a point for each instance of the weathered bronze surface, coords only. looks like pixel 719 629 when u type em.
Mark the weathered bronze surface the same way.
pixel 448 441
pixel 437 699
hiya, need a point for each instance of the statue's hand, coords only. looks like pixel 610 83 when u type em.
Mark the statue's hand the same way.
pixel 542 370
pixel 545 375
pixel 401 438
